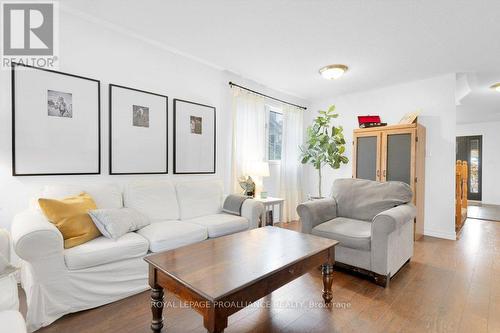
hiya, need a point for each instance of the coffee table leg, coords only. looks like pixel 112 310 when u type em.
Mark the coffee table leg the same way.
pixel 327 271
pixel 157 309
pixel 214 322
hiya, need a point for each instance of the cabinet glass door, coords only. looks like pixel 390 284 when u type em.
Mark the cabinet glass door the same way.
pixel 367 157
pixel 398 157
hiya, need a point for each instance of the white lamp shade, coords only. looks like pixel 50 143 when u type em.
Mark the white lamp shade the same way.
pixel 260 169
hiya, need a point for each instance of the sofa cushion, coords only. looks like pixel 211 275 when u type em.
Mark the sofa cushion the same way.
pixel 157 200
pixel 363 199
pixel 350 233
pixel 104 195
pixel 169 235
pixel 221 224
pixel 199 198
pixel 103 250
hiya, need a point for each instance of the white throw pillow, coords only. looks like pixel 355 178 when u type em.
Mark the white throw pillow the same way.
pixel 116 222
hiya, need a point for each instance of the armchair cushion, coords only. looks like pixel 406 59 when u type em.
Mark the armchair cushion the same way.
pixel 350 233
pixel 363 199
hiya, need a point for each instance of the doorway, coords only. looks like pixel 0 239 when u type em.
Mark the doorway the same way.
pixel 469 148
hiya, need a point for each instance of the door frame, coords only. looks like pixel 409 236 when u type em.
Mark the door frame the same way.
pixel 474 196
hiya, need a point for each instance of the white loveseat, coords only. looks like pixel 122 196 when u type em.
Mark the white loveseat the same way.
pixel 58 281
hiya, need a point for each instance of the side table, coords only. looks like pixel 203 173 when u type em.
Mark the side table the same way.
pixel 269 205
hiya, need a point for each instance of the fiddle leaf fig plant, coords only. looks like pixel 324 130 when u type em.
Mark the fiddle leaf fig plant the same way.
pixel 325 143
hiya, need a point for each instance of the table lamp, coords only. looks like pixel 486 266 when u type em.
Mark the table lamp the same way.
pixel 259 171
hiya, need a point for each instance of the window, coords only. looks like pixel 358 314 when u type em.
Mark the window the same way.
pixel 274 130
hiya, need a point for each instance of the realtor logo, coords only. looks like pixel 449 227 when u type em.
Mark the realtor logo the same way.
pixel 29 33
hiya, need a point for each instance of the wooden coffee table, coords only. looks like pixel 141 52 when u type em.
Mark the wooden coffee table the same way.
pixel 220 276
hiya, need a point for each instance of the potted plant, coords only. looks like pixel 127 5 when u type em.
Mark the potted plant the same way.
pixel 325 143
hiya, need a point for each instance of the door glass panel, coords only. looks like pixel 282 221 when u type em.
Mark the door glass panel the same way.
pixel 474 166
pixel 399 157
pixel 366 159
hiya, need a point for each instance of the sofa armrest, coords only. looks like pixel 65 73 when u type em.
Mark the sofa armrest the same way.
pixel 316 212
pixel 391 219
pixel 34 237
pixel 252 210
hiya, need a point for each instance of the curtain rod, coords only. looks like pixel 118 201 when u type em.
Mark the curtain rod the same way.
pixel 267 96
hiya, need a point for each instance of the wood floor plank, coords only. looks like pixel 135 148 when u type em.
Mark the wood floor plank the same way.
pixel 449 286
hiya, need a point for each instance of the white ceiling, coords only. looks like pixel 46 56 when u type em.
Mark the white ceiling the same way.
pixel 482 104
pixel 282 44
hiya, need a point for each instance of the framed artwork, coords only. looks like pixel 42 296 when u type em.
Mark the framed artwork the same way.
pixel 194 138
pixel 55 123
pixel 138 131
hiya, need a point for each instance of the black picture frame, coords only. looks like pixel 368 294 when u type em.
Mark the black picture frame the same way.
pixel 176 171
pixel 110 134
pixel 13 121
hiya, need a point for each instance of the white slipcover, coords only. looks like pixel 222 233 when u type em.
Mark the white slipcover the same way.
pixel 12 322
pixel 221 224
pixel 102 250
pixel 199 198
pixel 59 281
pixel 105 195
pixel 157 200
pixel 169 235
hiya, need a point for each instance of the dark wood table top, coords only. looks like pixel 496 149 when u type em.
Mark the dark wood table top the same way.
pixel 220 266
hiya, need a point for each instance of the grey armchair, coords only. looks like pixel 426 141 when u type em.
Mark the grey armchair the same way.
pixel 373 222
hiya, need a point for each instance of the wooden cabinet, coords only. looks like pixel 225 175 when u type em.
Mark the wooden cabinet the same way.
pixel 393 153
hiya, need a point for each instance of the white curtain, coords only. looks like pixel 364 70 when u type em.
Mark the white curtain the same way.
pixel 249 129
pixel 291 168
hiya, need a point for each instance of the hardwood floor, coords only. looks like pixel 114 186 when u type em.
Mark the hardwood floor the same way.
pixel 449 286
pixel 483 211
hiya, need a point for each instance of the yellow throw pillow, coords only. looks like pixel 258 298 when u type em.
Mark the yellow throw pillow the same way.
pixel 70 215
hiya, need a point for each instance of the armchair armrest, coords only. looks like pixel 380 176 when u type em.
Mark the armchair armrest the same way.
pixel 392 239
pixel 34 237
pixel 252 210
pixel 391 219
pixel 316 212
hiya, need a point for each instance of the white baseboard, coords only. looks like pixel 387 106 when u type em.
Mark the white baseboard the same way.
pixel 440 234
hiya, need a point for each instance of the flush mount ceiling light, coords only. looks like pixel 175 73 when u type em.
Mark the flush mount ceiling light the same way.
pixel 496 87
pixel 333 72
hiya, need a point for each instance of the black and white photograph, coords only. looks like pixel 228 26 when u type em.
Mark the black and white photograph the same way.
pixel 140 116
pixel 59 104
pixel 43 144
pixel 195 125
pixel 138 131
pixel 194 138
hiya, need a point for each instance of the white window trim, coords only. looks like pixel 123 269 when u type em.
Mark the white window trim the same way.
pixel 270 108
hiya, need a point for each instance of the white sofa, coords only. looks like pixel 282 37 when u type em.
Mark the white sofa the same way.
pixel 11 319
pixel 58 281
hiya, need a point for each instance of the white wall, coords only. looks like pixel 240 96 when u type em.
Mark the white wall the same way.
pixel 436 98
pixel 103 52
pixel 491 157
